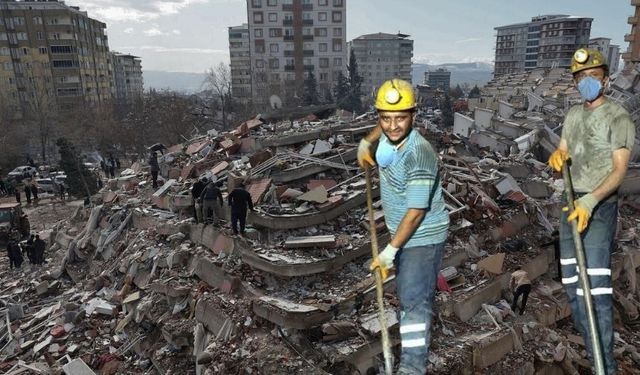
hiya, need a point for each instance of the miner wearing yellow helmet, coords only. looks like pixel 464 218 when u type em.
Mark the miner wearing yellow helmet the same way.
pixel 415 215
pixel 598 136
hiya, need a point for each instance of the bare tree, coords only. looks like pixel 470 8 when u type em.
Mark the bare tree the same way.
pixel 42 109
pixel 13 136
pixel 218 81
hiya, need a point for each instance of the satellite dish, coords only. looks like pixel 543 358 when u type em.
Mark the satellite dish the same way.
pixel 275 101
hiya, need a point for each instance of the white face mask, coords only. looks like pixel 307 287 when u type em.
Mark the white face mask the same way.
pixel 386 154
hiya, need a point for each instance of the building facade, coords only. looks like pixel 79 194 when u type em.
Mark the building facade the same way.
pixel 632 54
pixel 52 52
pixel 128 84
pixel 545 42
pixel 291 39
pixel 240 56
pixel 610 51
pixel 381 57
pixel 439 78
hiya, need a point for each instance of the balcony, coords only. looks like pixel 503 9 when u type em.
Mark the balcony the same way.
pixel 288 53
pixel 632 20
pixel 629 38
pixel 309 67
pixel 289 68
pixel 288 38
pixel 307 37
pixel 287 22
pixel 307 53
pixel 307 22
pixel 287 7
pixel 307 6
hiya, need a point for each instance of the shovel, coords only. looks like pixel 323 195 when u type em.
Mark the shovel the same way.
pixel 386 346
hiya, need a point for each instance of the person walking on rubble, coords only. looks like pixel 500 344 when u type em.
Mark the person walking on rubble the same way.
pixel 39 247
pixel 415 215
pixel 14 254
pixel 27 191
pixel 154 167
pixel 208 197
pixel 196 190
pixel 239 200
pixel 598 137
pixel 521 286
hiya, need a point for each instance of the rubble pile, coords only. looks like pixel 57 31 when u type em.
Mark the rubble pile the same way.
pixel 134 285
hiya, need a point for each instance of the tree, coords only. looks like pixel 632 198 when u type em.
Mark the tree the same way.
pixel 42 109
pixel 13 136
pixel 355 85
pixel 447 111
pixel 475 92
pixel 328 98
pixel 80 181
pixel 456 92
pixel 341 90
pixel 310 95
pixel 218 81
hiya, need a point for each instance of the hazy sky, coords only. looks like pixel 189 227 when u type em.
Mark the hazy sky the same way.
pixel 191 35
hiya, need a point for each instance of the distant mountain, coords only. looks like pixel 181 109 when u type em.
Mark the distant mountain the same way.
pixel 476 73
pixel 182 82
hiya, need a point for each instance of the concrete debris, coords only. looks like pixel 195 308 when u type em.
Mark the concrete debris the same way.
pixel 135 285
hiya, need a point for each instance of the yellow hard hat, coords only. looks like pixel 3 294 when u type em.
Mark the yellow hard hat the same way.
pixel 587 58
pixel 395 95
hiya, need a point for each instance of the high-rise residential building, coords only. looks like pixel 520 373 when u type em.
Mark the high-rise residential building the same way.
pixel 547 41
pixel 610 51
pixel 240 63
pixel 381 57
pixel 53 51
pixel 439 78
pixel 127 77
pixel 632 55
pixel 291 39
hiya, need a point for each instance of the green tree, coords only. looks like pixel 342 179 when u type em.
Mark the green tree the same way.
pixel 475 92
pixel 328 98
pixel 341 90
pixel 310 95
pixel 355 85
pixel 447 111
pixel 456 92
pixel 80 181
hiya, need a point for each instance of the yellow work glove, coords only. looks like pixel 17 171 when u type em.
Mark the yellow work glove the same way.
pixel 384 261
pixel 582 210
pixel 557 159
pixel 365 159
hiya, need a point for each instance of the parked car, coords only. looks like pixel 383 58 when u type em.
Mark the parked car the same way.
pixel 19 172
pixel 46 185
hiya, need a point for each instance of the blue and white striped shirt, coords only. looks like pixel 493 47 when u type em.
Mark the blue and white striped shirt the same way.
pixel 412 181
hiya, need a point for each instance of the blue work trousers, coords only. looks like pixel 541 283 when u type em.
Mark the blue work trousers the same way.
pixel 417 271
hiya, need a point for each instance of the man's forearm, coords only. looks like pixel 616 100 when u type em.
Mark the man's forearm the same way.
pixel 410 222
pixel 610 184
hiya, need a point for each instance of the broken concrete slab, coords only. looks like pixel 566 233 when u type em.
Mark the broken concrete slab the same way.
pixel 310 241
pixel 492 264
pixel 290 314
pixel 77 367
pixel 317 195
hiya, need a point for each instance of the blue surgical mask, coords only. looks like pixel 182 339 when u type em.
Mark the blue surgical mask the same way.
pixel 589 88
pixel 387 154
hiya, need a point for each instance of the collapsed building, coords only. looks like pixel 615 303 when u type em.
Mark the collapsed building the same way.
pixel 134 285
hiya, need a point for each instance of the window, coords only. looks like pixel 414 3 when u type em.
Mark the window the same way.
pixel 322 47
pixel 288 62
pixel 288 32
pixel 321 32
pixel 337 46
pixel 337 3
pixel 273 17
pixel 55 36
pixel 257 17
pixel 273 48
pixel 259 64
pixel 274 63
pixel 22 36
pixel 307 16
pixel 337 31
pixel 275 77
pixel 324 62
pixel 25 51
pixel 52 21
pixel 324 76
pixel 37 20
pixel 275 32
pixel 61 49
pixel 322 16
pixel 323 2
pixel 18 21
pixel 257 33
pixel 336 16
pixel 4 51
pixel 307 31
pixel 272 3
pixel 337 61
pixel 63 63
pixel 256 3
pixel 7 66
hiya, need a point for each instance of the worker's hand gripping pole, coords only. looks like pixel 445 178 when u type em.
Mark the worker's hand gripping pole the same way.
pixel 386 346
pixel 598 357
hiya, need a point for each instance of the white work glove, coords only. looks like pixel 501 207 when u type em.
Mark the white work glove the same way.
pixel 365 159
pixel 384 260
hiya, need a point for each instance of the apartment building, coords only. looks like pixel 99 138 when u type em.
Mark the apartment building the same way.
pixel 289 39
pixel 547 41
pixel 380 57
pixel 632 54
pixel 127 77
pixel 439 78
pixel 610 51
pixel 53 51
pixel 240 56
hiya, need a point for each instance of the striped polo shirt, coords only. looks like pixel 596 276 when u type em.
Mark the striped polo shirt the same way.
pixel 412 181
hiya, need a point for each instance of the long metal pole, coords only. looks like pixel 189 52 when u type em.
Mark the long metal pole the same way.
pixel 386 345
pixel 584 278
